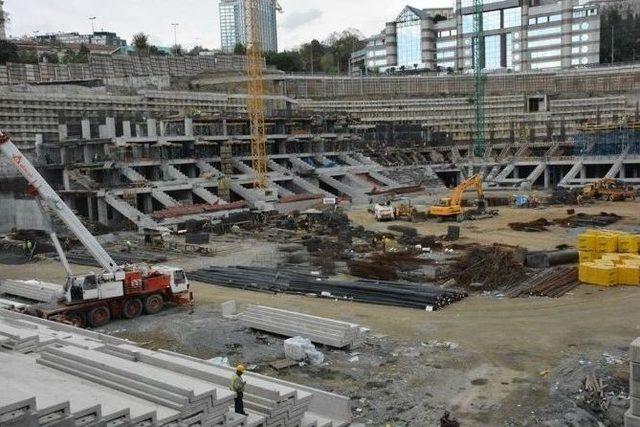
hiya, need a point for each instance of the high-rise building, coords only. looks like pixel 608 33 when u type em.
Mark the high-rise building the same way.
pixel 518 35
pixel 3 31
pixel 233 30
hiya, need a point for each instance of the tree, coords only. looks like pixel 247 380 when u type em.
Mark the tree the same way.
pixel 622 20
pixel 197 50
pixel 310 55
pixel 8 52
pixel 343 44
pixel 49 58
pixel 155 50
pixel 177 50
pixel 240 49
pixel 141 43
pixel 27 57
pixel 287 61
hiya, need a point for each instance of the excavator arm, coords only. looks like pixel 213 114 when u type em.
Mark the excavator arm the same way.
pixel 474 181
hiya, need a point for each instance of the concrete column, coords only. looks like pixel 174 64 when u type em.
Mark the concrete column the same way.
pixel 152 130
pixel 516 173
pixel 583 173
pixel 38 144
pixel 282 147
pixel 86 154
pixel 622 172
pixel 188 126
pixel 86 129
pixel 148 203
pixel 126 129
pixel 163 128
pixel 90 211
pixel 138 130
pixel 102 132
pixel 66 181
pixel 225 129
pixel 63 132
pixel 547 177
pixel 103 212
pixel 111 127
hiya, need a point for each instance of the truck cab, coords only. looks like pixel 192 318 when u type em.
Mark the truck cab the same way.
pixel 178 278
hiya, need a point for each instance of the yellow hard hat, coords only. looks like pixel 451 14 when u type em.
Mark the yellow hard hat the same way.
pixel 241 368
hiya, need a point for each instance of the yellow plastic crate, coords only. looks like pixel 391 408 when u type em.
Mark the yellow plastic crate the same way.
pixel 607 243
pixel 628 243
pixel 586 256
pixel 629 275
pixel 587 242
pixel 612 258
pixel 600 274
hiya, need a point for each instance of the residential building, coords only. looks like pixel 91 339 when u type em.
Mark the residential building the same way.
pixel 233 30
pixel 518 35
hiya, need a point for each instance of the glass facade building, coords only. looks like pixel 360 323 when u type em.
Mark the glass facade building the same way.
pixel 233 28
pixel 548 34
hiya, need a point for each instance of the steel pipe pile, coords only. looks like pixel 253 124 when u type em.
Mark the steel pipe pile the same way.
pixel 551 282
pixel 368 291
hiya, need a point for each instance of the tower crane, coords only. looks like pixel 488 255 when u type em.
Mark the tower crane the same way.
pixel 479 78
pixel 256 91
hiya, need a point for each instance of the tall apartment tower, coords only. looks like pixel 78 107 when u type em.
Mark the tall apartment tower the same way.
pixel 3 31
pixel 233 30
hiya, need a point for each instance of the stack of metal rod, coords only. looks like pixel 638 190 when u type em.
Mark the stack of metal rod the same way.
pixel 260 279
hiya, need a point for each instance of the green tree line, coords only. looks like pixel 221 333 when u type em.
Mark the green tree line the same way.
pixel 622 22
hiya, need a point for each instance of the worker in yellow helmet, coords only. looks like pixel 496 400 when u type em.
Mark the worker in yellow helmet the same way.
pixel 237 386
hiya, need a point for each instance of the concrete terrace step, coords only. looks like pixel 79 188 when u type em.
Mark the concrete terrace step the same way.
pixel 129 212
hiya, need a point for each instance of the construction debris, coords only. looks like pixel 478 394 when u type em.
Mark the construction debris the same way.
pixel 532 226
pixel 585 220
pixel 319 330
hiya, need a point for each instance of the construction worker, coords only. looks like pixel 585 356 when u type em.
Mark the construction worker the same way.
pixel 129 246
pixel 237 386
pixel 25 248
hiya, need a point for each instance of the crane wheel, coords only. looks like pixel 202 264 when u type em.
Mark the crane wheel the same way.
pixel 99 316
pixel 132 308
pixel 153 304
pixel 77 319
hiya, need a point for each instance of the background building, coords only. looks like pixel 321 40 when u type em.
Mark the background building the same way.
pixel 233 28
pixel 549 34
pixel 100 38
pixel 3 31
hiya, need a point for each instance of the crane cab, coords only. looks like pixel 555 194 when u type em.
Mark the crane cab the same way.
pixel 90 287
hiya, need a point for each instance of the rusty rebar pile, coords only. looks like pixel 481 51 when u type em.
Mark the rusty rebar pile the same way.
pixel 488 268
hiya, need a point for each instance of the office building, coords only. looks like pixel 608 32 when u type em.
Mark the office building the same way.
pixel 233 27
pixel 517 35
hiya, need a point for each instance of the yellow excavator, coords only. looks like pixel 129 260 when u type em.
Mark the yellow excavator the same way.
pixel 451 207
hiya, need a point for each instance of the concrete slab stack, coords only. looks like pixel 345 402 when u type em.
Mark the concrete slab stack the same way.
pixel 319 330
pixel 73 377
pixel 632 417
pixel 32 289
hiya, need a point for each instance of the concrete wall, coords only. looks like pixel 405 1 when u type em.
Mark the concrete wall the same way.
pixel 19 214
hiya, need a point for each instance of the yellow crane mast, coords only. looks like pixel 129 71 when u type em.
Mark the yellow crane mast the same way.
pixel 256 91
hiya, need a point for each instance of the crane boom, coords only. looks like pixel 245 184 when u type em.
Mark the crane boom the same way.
pixel 56 204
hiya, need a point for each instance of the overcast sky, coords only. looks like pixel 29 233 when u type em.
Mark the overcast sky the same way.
pixel 302 21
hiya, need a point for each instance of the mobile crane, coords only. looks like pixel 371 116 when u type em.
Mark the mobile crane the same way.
pixel 118 291
pixel 451 207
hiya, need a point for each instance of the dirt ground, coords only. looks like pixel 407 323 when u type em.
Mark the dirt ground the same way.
pixel 496 230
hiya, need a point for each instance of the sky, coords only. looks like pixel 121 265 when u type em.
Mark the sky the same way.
pixel 198 21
